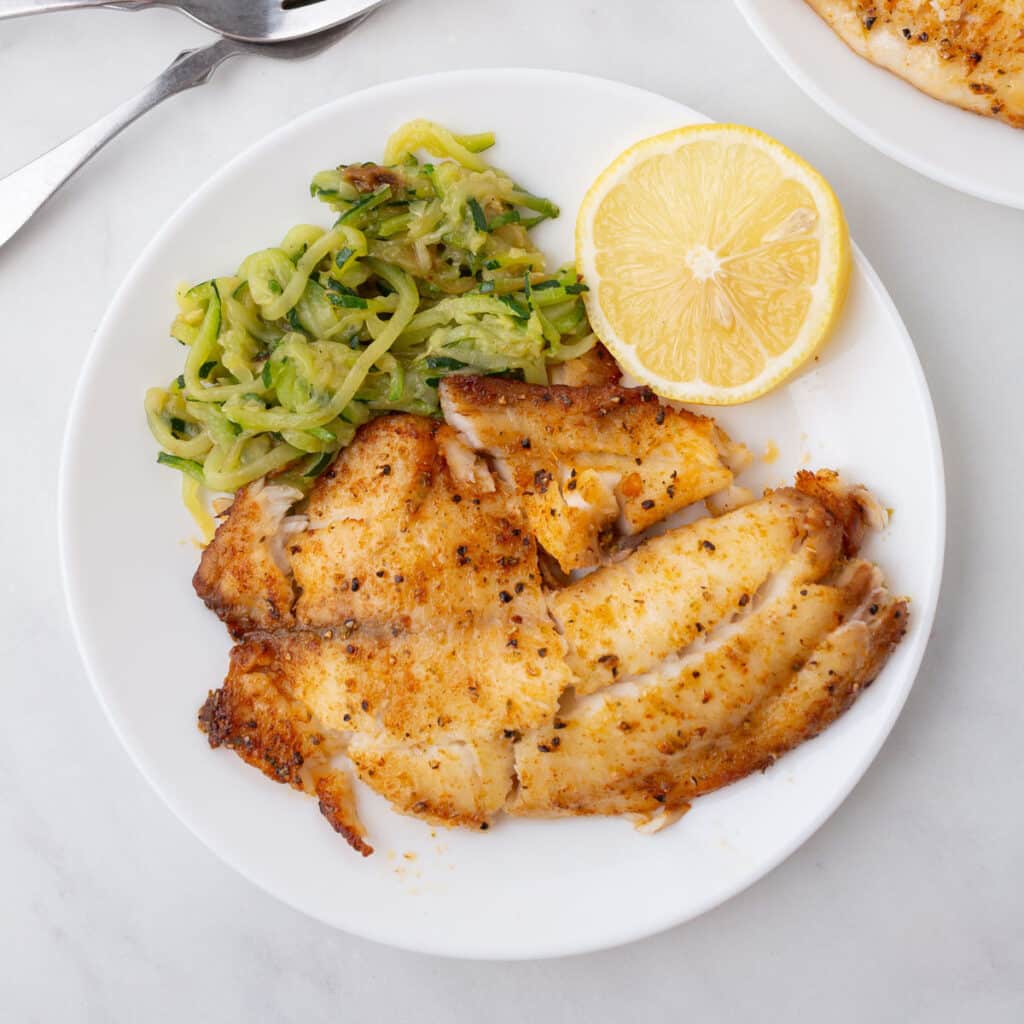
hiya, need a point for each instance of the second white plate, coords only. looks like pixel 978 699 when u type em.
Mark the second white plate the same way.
pixel 525 888
pixel 977 155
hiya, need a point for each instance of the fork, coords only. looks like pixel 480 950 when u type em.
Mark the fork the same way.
pixel 25 190
pixel 256 21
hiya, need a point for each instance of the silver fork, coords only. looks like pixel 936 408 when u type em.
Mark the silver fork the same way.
pixel 24 191
pixel 256 21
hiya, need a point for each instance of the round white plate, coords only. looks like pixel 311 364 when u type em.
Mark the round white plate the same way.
pixel 977 155
pixel 525 888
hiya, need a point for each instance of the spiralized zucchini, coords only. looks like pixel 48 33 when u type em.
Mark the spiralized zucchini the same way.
pixel 428 270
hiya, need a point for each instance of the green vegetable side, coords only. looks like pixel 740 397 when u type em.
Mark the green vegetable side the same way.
pixel 428 270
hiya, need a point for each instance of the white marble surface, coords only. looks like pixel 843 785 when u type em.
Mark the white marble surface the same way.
pixel 907 905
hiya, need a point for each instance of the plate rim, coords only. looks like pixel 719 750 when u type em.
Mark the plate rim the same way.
pixel 772 41
pixel 73 586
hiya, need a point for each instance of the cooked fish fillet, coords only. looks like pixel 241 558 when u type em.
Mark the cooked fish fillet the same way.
pixel 255 715
pixel 596 368
pixel 966 52
pixel 401 626
pixel 720 709
pixel 462 783
pixel 750 606
pixel 243 575
pixel 432 685
pixel 679 586
pixel 420 638
pixel 289 713
pixel 408 527
pixel 853 506
pixel 590 461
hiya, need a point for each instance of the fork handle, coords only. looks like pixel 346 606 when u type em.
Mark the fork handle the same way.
pixel 25 190
pixel 19 8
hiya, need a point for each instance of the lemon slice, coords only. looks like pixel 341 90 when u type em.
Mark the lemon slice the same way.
pixel 717 262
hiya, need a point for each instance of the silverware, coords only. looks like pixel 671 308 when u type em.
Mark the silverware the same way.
pixel 256 21
pixel 24 191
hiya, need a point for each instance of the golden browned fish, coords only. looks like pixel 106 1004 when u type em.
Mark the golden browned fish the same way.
pixel 398 624
pixel 725 695
pixel 590 463
pixel 427 719
pixel 244 576
pixel 464 782
pixel 681 586
pixel 593 369
pixel 409 625
pixel 255 714
pixel 969 53
pixel 436 684
pixel 409 527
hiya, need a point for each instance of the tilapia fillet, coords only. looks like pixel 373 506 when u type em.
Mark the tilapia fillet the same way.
pixel 813 635
pixel 416 635
pixel 590 463
pixel 399 625
pixel 969 53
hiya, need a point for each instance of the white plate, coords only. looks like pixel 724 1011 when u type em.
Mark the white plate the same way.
pixel 524 889
pixel 974 154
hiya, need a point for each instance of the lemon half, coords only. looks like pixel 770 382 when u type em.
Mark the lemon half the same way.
pixel 717 262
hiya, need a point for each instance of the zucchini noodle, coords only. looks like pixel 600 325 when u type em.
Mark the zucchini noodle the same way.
pixel 428 270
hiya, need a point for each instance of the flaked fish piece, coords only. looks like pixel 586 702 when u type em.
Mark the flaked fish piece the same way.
pixel 408 527
pixel 590 464
pixel 261 715
pixel 428 686
pixel 464 782
pixel 420 641
pixel 244 575
pixel 426 719
pixel 255 715
pixel 726 707
pixel 678 587
pixel 593 369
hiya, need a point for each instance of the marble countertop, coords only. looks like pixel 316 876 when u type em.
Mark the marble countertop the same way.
pixel 907 905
